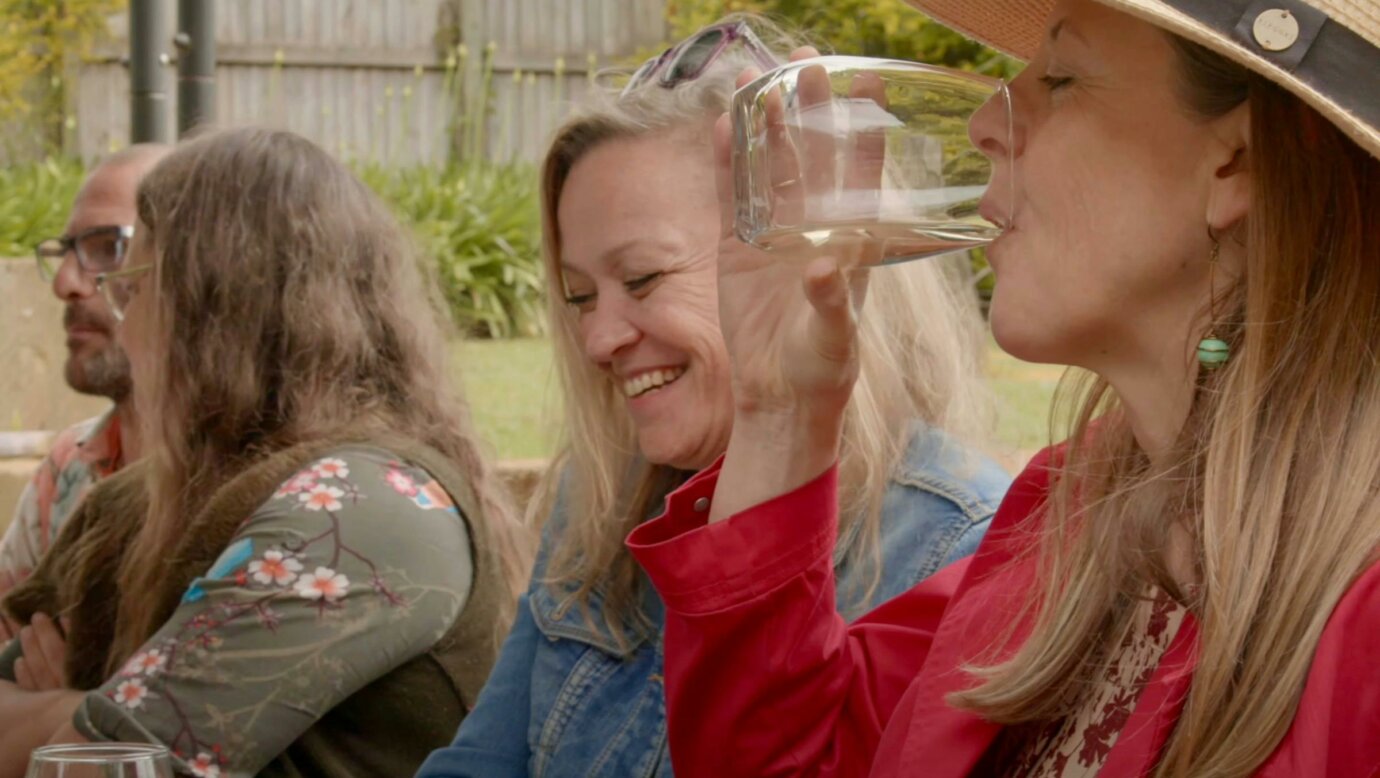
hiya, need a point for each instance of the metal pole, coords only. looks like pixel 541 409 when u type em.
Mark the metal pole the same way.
pixel 148 91
pixel 196 63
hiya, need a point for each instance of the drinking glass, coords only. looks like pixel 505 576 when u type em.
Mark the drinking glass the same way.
pixel 871 156
pixel 101 760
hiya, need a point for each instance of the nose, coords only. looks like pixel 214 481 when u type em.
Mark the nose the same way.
pixel 607 331
pixel 70 283
pixel 995 128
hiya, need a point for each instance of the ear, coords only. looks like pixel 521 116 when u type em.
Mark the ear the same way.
pixel 1229 194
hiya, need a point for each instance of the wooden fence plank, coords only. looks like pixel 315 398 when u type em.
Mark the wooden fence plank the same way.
pixel 327 68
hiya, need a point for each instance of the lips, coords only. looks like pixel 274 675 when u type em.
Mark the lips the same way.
pixel 994 214
pixel 81 323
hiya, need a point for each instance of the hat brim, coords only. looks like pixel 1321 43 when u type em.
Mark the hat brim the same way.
pixel 1017 27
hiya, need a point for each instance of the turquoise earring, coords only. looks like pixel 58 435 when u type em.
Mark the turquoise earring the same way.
pixel 1213 352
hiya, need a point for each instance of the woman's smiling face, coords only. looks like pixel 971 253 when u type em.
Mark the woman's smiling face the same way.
pixel 639 235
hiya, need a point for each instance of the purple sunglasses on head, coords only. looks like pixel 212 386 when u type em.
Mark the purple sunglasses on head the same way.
pixel 687 60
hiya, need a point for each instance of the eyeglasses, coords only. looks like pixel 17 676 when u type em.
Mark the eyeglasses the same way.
pixel 118 288
pixel 99 250
pixel 687 60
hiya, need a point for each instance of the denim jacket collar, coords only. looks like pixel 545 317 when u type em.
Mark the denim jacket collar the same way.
pixel 570 622
pixel 556 619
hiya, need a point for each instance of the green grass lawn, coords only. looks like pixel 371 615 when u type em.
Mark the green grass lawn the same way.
pixel 512 390
pixel 1022 394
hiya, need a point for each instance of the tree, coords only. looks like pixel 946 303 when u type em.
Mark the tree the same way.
pixel 872 28
pixel 37 38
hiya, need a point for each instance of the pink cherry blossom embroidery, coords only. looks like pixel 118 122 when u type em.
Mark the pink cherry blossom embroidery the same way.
pixel 131 693
pixel 297 484
pixel 331 468
pixel 401 482
pixel 149 662
pixel 205 766
pixel 325 584
pixel 276 567
pixel 322 497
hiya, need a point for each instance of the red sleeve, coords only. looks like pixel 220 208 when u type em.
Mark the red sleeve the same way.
pixel 763 677
pixel 1336 730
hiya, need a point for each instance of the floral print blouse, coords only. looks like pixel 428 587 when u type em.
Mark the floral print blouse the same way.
pixel 1078 746
pixel 356 565
pixel 80 456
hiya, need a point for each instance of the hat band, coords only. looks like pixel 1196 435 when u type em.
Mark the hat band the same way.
pixel 1322 53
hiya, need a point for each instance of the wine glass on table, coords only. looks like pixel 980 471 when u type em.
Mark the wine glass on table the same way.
pixel 101 760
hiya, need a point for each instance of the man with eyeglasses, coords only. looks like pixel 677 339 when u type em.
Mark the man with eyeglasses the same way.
pixel 96 238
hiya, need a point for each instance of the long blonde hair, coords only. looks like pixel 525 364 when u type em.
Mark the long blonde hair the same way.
pixel 289 307
pixel 923 345
pixel 1275 474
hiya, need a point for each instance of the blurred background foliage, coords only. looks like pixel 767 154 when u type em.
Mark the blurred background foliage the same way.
pixel 477 220
pixel 871 28
pixel 476 223
pixel 480 226
pixel 37 37
pixel 34 199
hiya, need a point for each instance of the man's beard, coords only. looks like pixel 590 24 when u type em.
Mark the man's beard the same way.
pixel 103 374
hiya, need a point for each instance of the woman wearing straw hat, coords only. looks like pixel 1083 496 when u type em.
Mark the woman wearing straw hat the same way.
pixel 1189 586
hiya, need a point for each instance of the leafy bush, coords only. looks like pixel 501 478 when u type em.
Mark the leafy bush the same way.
pixel 480 225
pixel 477 224
pixel 34 200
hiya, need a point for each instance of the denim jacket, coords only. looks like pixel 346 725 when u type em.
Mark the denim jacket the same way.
pixel 565 700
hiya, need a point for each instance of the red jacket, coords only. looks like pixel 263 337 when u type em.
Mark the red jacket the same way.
pixel 763 678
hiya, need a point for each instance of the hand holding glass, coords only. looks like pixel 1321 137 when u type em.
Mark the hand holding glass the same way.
pixel 872 157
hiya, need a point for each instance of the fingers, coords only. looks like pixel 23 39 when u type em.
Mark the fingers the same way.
pixel 783 165
pixel 858 279
pixel 723 175
pixel 815 96
pixel 45 655
pixel 867 155
pixel 53 644
pixel 804 52
pixel 723 160
pixel 833 329
pixel 24 677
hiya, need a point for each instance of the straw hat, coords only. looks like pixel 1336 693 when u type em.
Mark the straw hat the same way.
pixel 1325 51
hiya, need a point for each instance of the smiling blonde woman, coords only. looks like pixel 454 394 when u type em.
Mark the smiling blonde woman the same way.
pixel 632 234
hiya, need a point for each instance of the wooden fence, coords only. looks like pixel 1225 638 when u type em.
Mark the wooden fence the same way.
pixel 389 81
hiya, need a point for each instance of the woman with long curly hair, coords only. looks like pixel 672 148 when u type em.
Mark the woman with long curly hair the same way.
pixel 312 568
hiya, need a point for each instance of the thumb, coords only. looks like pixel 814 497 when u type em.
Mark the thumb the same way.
pixel 723 174
pixel 833 327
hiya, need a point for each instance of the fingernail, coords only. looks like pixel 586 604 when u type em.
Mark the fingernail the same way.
pixel 39 617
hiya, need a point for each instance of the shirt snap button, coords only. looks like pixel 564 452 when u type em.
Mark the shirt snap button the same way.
pixel 702 504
